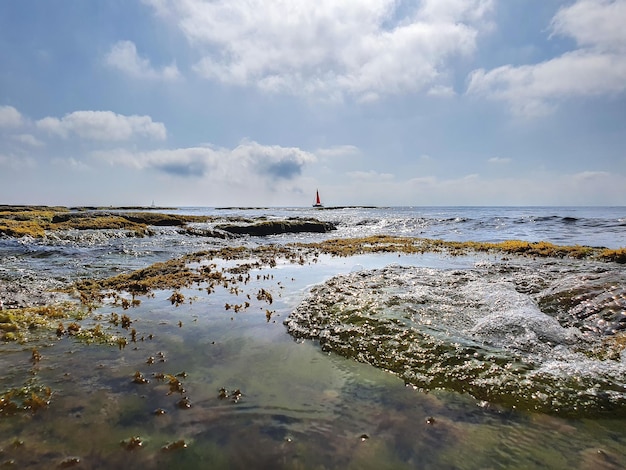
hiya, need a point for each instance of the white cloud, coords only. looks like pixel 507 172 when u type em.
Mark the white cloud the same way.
pixel 28 139
pixel 597 68
pixel 456 10
pixel 71 163
pixel 249 161
pixel 423 181
pixel 370 176
pixel 10 117
pixel 338 151
pixel 533 90
pixel 104 126
pixel 123 56
pixel 361 48
pixel 499 160
pixel 441 91
pixel 586 177
pixel 594 23
pixel 16 163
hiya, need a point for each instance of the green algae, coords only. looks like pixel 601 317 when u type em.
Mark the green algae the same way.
pixel 37 224
pixel 23 324
pixel 18 229
pixel 66 319
pixel 31 398
pixel 100 222
pixel 37 221
pixel 414 245
pixel 616 256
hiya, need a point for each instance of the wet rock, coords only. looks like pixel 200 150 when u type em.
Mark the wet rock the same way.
pixel 210 233
pixel 594 303
pixel 469 331
pixel 274 227
pixel 25 293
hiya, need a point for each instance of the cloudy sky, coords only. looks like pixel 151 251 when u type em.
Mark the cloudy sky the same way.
pixel 261 102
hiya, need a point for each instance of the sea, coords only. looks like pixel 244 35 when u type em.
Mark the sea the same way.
pixel 380 360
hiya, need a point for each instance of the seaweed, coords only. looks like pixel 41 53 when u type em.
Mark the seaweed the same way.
pixel 20 324
pixel 413 245
pixel 36 221
pixel 615 256
pixel 30 398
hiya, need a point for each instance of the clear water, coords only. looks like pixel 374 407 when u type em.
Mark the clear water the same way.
pixel 303 405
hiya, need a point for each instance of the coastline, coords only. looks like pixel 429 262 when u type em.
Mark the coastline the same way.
pixel 219 312
pixel 42 221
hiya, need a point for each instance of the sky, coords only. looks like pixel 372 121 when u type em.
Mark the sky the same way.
pixel 262 102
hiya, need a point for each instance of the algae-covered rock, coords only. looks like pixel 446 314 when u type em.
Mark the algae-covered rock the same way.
pixel 159 219
pixel 472 332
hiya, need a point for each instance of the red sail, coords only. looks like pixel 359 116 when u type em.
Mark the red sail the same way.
pixel 318 203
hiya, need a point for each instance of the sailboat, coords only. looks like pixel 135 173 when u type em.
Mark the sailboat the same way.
pixel 318 203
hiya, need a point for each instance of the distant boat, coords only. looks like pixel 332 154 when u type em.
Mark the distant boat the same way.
pixel 318 203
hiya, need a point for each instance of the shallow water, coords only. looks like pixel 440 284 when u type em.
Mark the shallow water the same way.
pixel 300 407
pixel 315 403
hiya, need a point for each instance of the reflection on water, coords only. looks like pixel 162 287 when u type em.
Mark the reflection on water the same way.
pixel 298 407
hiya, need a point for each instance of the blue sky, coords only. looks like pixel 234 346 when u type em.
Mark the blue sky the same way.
pixel 261 102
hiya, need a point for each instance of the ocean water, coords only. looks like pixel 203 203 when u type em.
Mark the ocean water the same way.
pixel 370 361
pixel 592 226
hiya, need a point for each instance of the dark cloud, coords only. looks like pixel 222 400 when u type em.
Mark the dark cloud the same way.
pixel 184 169
pixel 286 168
